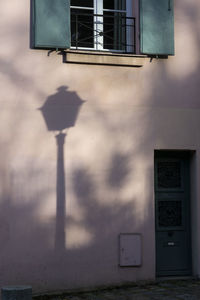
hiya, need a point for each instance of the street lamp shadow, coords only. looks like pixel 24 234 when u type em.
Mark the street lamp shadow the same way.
pixel 60 112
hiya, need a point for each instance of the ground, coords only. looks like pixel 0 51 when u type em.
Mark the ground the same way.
pixel 165 290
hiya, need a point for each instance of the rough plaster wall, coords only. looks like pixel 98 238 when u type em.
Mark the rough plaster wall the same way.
pixel 108 154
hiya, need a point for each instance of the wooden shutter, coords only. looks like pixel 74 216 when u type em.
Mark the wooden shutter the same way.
pixel 51 23
pixel 157 27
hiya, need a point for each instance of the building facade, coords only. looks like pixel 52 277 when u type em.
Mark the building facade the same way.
pixel 100 151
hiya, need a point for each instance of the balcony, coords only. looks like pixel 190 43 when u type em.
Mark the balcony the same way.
pixel 109 32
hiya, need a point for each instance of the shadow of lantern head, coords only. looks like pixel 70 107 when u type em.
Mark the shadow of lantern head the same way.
pixel 61 109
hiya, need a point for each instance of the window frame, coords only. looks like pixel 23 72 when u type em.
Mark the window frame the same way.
pixel 98 27
pixel 154 27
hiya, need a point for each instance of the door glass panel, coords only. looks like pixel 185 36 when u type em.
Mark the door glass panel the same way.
pixel 81 3
pixel 169 213
pixel 169 174
pixel 114 4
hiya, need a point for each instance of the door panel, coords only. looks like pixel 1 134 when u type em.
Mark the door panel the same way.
pixel 173 253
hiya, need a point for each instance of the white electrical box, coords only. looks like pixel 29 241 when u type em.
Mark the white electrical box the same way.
pixel 130 248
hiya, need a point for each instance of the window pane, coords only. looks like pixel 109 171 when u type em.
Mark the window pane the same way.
pixel 82 28
pixel 114 4
pixel 114 31
pixel 83 3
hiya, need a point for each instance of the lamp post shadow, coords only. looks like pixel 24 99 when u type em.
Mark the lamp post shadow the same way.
pixel 60 112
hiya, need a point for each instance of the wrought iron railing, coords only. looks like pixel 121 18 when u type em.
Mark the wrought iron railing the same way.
pixel 112 31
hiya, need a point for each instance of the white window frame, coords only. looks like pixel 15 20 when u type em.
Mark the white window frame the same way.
pixel 98 25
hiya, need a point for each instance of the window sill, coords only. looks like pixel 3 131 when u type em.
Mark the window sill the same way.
pixel 104 58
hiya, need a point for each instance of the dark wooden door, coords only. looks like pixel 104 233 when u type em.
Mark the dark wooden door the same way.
pixel 173 246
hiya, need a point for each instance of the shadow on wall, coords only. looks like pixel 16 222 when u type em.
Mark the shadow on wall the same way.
pixel 60 112
pixel 78 251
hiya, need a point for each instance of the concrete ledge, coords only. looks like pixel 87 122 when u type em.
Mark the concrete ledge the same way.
pixel 104 58
pixel 16 293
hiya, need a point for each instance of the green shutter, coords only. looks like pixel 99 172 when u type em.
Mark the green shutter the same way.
pixel 51 22
pixel 157 27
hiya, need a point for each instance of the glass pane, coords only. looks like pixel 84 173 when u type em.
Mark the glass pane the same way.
pixel 114 4
pixel 114 32
pixel 169 213
pixel 169 174
pixel 82 28
pixel 82 3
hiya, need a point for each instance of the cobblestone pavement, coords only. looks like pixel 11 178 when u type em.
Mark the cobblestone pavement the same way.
pixel 165 290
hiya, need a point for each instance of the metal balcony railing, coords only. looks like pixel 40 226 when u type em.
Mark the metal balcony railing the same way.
pixel 112 31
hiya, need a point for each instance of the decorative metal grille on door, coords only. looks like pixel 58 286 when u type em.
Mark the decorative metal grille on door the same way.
pixel 169 213
pixel 169 174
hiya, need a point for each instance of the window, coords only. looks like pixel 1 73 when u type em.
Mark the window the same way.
pixel 102 25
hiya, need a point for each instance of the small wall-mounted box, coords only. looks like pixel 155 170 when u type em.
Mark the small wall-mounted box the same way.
pixel 130 250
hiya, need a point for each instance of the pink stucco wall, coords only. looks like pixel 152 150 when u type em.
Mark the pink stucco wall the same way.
pixel 127 113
